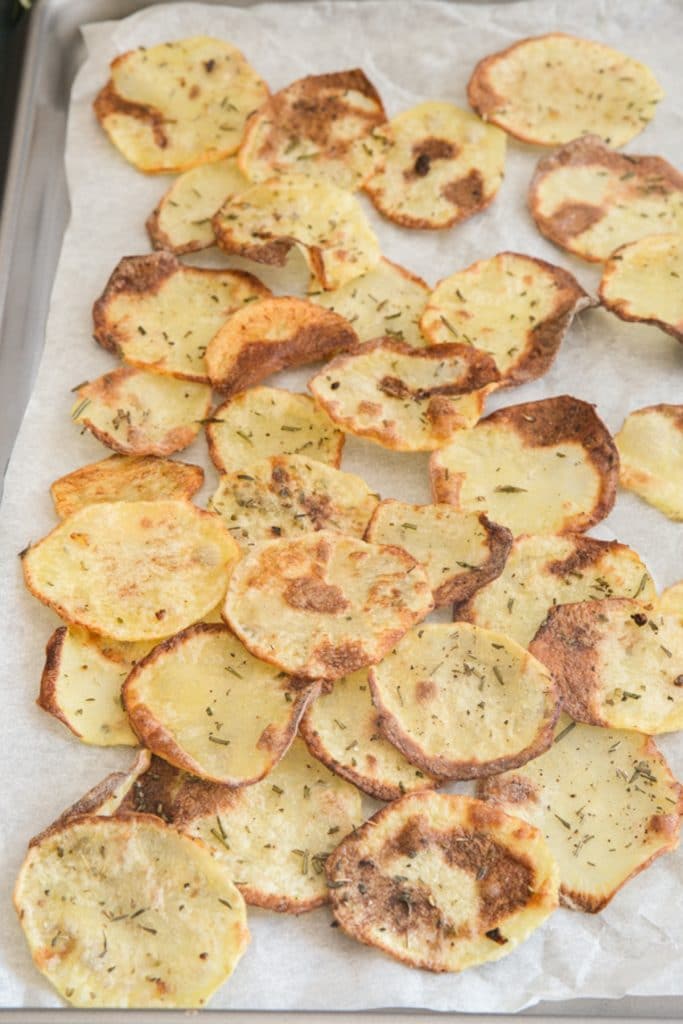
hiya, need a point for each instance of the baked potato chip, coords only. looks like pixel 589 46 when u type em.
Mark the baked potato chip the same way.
pixel 442 882
pixel 323 605
pixel 671 601
pixel 640 282
pixel 405 398
pixel 174 106
pixel 539 467
pixel 132 570
pixel 590 200
pixel 203 703
pixel 650 445
pixel 127 912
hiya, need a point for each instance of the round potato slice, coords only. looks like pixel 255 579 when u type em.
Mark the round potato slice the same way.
pixel 140 413
pixel 273 335
pixel 174 106
pixel 442 882
pixel 203 703
pixel 461 702
pixel 288 495
pixel 650 447
pixel 323 605
pixel 405 398
pixel 640 281
pixel 132 570
pixel 590 200
pixel 325 222
pixel 442 165
pixel 671 601
pixel 543 467
pixel 551 89
pixel 261 422
pixel 624 816
pixel 541 572
pixel 130 913
pixel 460 551
pixel 617 663
pixel 515 308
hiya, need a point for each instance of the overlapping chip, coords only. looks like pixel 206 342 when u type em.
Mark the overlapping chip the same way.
pixel 640 281
pixel 650 445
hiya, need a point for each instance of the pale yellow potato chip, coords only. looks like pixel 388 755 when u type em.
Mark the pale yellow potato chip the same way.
pixel 641 281
pixel 671 601
pixel 650 445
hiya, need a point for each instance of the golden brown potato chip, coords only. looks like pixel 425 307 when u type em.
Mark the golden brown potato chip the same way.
pixel 402 397
pixel 671 601
pixel 442 882
pixel 641 281
pixel 176 105
pixel 650 447
pixel 442 165
pixel 553 88
pixel 543 467
pixel 515 308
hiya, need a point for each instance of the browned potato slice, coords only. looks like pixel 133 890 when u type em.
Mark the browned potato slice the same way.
pixel 650 447
pixel 640 281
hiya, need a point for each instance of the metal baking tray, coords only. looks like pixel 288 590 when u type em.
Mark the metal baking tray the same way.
pixel 34 214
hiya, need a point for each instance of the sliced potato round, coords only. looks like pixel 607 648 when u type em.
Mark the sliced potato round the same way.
pixel 203 703
pixel 442 882
pixel 553 88
pixel 543 467
pixel 325 222
pixel 461 702
pixel 402 397
pixel 640 281
pixel 132 570
pixel 160 315
pixel 590 200
pixel 261 422
pixel 650 447
pixel 544 571
pixel 617 663
pixel 140 413
pixel 460 551
pixel 288 495
pixel 442 165
pixel 323 605
pixel 623 816
pixel 515 308
pixel 176 105
pixel 127 912
pixel 671 601
pixel 273 335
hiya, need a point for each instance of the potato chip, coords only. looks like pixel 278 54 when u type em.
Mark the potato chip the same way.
pixel 288 495
pixel 442 882
pixel 127 912
pixel 270 335
pixel 405 398
pixel 323 605
pixel 132 570
pixel 544 571
pixel 442 165
pixel 624 814
pixel 539 467
pixel 174 106
pixel 617 663
pixel 650 445
pixel 515 308
pixel 461 702
pixel 325 222
pixel 261 422
pixel 460 551
pixel 160 315
pixel 553 88
pixel 640 282
pixel 140 413
pixel 203 703
pixel 671 601
pixel 590 200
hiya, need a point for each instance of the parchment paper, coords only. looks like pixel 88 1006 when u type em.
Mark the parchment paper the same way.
pixel 412 51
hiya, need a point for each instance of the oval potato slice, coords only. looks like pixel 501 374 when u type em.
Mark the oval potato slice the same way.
pixel 442 165
pixel 650 445
pixel 641 281
pixel 176 105
pixel 442 882
pixel 543 467
pixel 323 605
pixel 132 570
pixel 405 398
pixel 553 88
pixel 461 702
pixel 99 898
pixel 623 816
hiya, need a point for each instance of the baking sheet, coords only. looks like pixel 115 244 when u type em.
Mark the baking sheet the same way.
pixel 411 52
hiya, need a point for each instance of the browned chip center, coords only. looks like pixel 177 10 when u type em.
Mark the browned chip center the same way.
pixel 425 152
pixel 311 595
pixel 573 219
pixel 466 193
